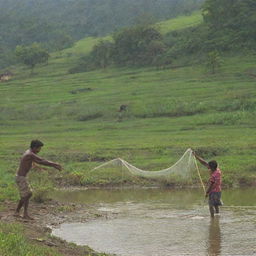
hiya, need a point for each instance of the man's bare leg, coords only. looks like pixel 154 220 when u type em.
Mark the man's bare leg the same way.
pixel 211 211
pixel 26 203
pixel 20 204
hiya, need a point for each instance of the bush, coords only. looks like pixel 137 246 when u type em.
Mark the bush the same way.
pixel 42 185
pixel 138 45
pixel 74 178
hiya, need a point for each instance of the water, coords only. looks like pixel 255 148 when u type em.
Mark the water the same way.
pixel 154 222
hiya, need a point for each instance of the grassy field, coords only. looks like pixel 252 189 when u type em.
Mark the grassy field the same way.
pixel 170 110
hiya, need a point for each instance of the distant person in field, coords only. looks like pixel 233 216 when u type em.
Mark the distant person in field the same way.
pixel 27 160
pixel 214 185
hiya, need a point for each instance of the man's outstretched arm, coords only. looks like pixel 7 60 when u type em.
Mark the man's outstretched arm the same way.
pixel 37 167
pixel 42 161
pixel 201 160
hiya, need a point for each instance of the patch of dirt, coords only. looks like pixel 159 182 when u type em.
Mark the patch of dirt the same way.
pixel 50 215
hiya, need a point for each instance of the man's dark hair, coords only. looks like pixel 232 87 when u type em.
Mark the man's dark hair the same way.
pixel 36 144
pixel 213 165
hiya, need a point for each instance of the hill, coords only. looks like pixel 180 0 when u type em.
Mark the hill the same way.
pixel 57 24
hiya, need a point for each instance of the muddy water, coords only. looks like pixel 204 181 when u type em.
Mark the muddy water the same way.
pixel 154 222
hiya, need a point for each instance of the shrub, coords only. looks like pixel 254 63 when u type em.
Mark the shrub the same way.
pixel 74 178
pixel 42 185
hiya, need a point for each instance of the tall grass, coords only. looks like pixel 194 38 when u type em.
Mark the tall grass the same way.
pixel 13 243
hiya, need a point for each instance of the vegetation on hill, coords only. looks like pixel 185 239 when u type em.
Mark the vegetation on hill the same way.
pixel 143 45
pixel 31 55
pixel 57 24
pixel 231 24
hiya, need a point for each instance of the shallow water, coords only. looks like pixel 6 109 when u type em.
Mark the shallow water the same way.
pixel 159 222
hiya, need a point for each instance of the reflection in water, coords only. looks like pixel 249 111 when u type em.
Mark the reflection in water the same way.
pixel 178 198
pixel 214 242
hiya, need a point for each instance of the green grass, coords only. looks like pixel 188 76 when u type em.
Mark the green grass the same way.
pixel 180 22
pixel 84 46
pixel 13 243
pixel 169 111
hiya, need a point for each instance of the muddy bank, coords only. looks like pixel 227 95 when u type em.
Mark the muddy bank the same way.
pixel 48 215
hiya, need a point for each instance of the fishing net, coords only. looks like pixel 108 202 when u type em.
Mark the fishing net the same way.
pixel 185 169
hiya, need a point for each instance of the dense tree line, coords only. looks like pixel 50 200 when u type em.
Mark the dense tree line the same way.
pixel 231 23
pixel 228 26
pixel 56 24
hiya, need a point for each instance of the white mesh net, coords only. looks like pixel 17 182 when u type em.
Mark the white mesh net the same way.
pixel 184 168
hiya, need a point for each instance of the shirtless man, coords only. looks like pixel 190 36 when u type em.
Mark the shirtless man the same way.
pixel 28 158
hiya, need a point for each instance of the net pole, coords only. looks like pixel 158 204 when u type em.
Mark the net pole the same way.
pixel 199 175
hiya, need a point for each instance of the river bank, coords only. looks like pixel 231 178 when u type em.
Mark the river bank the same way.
pixel 37 232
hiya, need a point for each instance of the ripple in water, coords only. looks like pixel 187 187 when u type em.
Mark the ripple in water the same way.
pixel 143 229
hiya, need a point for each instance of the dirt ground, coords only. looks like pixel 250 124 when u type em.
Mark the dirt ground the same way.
pixel 48 215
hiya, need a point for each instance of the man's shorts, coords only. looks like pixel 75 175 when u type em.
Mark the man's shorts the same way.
pixel 23 185
pixel 215 199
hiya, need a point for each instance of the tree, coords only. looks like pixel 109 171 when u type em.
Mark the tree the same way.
pixel 138 45
pixel 31 55
pixel 232 23
pixel 61 41
pixel 214 61
pixel 101 54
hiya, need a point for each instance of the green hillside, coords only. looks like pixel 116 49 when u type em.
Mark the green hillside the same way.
pixel 58 24
pixel 169 110
pixel 181 22
pixel 82 47
pixel 85 45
